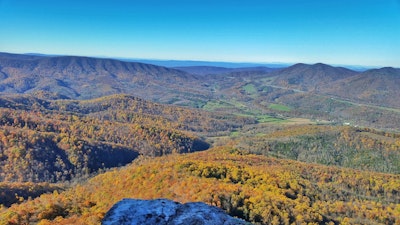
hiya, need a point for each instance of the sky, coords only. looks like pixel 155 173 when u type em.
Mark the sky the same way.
pixel 337 32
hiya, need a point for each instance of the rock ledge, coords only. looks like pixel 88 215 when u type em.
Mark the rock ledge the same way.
pixel 166 212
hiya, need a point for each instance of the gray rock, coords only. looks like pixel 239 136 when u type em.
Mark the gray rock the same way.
pixel 166 212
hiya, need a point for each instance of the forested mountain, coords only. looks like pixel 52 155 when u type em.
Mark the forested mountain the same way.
pixel 326 139
pixel 72 77
pixel 255 188
pixel 52 141
pixel 85 78
pixel 319 92
pixel 310 77
pixel 345 146
pixel 377 86
pixel 5 55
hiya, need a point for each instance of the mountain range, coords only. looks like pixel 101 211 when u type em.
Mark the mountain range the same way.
pixel 312 144
pixel 72 77
pixel 84 78
pixel 375 86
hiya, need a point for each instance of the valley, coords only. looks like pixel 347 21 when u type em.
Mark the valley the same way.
pixel 313 144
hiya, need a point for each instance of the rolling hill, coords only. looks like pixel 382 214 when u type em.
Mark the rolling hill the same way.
pixel 85 78
pixel 258 189
pixel 378 87
pixel 310 77
pixel 51 141
pixel 318 91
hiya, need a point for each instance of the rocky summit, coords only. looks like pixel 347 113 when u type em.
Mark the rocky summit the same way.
pixel 166 212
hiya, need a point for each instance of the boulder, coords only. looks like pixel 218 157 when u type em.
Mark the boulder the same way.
pixel 166 212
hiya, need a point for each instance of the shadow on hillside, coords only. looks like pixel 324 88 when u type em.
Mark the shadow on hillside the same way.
pixel 200 145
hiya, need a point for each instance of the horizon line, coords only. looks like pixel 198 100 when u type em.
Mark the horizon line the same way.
pixel 274 64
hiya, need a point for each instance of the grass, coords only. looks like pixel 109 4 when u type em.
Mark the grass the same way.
pixel 367 105
pixel 269 119
pixel 250 89
pixel 214 105
pixel 268 79
pixel 235 134
pixel 302 121
pixel 244 111
pixel 232 106
pixel 280 107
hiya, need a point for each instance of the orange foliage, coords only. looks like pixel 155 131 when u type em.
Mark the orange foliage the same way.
pixel 256 188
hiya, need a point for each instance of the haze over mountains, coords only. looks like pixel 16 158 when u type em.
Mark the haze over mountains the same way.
pixel 208 70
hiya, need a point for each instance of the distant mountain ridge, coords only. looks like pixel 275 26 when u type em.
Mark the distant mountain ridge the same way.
pixel 85 78
pixel 377 86
pixel 310 77
pixel 212 70
pixel 194 63
pixel 190 63
pixel 76 77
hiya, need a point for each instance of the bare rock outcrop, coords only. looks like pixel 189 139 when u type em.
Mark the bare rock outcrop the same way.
pixel 166 212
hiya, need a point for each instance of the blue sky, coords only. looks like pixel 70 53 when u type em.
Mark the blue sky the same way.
pixel 347 32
